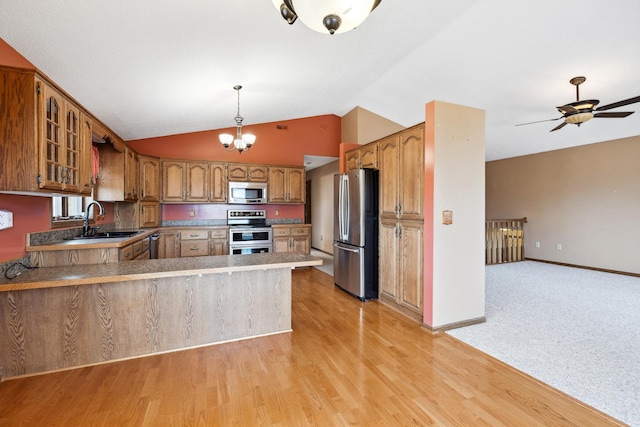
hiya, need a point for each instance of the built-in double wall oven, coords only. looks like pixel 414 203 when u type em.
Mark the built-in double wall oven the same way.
pixel 248 232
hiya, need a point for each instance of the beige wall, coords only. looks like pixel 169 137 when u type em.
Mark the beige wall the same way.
pixel 454 276
pixel 360 126
pixel 322 205
pixel 586 198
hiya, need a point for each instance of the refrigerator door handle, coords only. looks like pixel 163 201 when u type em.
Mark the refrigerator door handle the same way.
pixel 344 208
pixel 345 248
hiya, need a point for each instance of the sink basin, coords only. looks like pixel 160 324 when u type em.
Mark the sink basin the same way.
pixel 107 235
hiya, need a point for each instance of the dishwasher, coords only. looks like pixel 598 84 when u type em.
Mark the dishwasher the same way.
pixel 154 242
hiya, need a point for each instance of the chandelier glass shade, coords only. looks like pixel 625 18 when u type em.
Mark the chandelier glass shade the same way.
pixel 332 16
pixel 240 142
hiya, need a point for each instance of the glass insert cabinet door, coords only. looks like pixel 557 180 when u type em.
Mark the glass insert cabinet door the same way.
pixel 60 165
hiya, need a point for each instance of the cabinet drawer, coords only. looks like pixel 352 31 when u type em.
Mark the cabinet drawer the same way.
pixel 126 253
pixel 218 233
pixel 281 231
pixel 194 234
pixel 194 248
pixel 138 248
pixel 300 231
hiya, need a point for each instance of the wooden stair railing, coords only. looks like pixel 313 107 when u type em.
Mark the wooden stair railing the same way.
pixel 504 240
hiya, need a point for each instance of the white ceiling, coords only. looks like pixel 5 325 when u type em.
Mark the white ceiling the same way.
pixel 158 67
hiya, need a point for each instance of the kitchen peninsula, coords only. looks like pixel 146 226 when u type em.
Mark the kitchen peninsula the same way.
pixel 54 318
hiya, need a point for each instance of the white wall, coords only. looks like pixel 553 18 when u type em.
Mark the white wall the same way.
pixel 322 205
pixel 459 180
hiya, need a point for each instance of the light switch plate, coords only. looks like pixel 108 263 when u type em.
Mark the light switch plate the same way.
pixel 6 219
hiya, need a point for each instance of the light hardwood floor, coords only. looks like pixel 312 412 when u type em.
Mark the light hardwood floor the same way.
pixel 345 363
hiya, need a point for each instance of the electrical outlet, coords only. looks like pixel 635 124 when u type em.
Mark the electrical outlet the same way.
pixel 6 219
pixel 558 247
pixel 192 213
pixel 537 244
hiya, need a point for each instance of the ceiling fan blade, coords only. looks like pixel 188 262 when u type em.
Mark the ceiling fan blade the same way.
pixel 560 126
pixel 619 104
pixel 566 109
pixel 613 115
pixel 541 121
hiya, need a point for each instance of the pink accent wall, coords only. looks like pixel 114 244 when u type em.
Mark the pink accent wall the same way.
pixel 429 145
pixel 284 142
pixel 31 214
pixel 9 56
pixel 218 211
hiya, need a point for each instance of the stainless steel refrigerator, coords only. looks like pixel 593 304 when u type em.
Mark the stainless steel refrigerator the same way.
pixel 355 232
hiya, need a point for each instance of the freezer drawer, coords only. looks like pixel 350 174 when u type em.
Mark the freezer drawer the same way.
pixel 353 272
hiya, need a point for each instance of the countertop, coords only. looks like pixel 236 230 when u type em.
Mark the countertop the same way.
pixel 51 277
pixel 65 245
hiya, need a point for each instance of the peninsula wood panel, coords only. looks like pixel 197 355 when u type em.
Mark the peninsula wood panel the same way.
pixel 73 257
pixel 55 328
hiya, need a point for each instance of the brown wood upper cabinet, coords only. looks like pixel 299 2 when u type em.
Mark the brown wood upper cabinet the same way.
pixel 118 176
pixel 286 184
pixel 185 181
pixel 248 172
pixel 401 164
pixel 218 185
pixel 363 157
pixel 44 137
pixel 149 179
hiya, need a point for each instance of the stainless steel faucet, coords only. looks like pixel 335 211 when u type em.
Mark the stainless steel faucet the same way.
pixel 85 227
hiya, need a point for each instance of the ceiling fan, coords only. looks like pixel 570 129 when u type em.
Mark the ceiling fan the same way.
pixel 583 110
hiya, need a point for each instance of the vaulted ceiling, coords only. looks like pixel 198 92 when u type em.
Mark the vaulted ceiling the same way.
pixel 159 67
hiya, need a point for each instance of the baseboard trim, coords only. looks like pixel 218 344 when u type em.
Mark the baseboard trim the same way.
pixel 604 270
pixel 411 314
pixel 455 325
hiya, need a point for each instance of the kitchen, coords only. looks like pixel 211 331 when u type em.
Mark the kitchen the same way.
pixel 318 136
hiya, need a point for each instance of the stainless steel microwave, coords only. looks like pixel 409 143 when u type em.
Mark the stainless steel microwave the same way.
pixel 247 193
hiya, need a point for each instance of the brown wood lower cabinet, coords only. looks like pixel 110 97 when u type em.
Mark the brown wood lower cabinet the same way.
pixel 194 242
pixel 135 251
pixel 292 238
pixel 400 266
pixel 169 244
pixel 219 241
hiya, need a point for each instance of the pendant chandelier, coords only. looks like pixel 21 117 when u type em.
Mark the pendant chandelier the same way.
pixel 240 142
pixel 333 16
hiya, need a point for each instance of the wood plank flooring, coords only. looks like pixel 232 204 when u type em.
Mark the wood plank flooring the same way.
pixel 345 363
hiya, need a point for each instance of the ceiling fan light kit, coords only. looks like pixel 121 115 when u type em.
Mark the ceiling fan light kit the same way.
pixel 332 16
pixel 581 111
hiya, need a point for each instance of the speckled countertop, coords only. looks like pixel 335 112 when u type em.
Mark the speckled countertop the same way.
pixel 50 277
pixel 65 245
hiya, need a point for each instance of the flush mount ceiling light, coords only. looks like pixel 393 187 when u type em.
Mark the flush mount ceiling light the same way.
pixel 333 16
pixel 240 142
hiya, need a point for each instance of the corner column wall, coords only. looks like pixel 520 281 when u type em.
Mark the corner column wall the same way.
pixel 454 280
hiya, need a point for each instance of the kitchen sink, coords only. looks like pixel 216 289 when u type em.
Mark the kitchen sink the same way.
pixel 107 235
